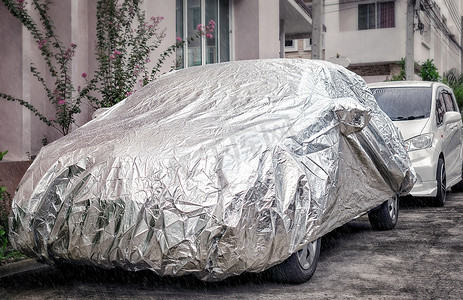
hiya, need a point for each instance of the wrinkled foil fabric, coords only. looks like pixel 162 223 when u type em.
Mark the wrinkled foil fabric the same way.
pixel 213 171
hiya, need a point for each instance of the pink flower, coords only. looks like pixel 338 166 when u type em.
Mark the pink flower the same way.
pixel 84 75
pixel 115 54
pixel 61 102
pixel 41 43
pixel 199 27
pixel 179 40
pixel 73 45
pixel 209 36
pixel 162 18
pixel 21 4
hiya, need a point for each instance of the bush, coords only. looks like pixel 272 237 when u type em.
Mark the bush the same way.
pixel 429 71
pixel 6 253
pixel 4 197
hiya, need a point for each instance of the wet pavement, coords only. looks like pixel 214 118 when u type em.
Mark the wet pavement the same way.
pixel 422 258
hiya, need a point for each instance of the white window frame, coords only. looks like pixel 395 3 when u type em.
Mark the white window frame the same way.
pixel 307 44
pixel 292 48
pixel 203 39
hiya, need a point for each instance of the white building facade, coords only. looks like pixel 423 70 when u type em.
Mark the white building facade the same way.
pixel 372 34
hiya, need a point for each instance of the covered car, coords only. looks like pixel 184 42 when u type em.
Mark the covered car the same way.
pixel 215 171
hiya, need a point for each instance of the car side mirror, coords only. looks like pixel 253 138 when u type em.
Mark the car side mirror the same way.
pixel 451 117
pixel 353 117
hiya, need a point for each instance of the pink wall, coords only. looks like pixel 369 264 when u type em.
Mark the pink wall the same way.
pixel 11 114
pixel 21 133
pixel 246 31
pixel 256 29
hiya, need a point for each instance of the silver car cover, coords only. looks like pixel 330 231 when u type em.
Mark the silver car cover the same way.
pixel 213 171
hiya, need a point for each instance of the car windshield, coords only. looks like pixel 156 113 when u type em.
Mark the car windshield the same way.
pixel 404 103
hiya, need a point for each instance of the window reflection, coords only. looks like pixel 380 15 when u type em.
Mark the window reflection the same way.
pixel 193 19
pixel 191 13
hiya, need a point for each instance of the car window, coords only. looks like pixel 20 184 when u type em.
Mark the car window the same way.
pixel 440 108
pixel 449 105
pixel 404 103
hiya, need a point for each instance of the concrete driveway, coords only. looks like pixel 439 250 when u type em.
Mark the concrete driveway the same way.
pixel 421 259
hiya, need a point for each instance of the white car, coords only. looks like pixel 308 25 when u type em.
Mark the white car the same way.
pixel 429 119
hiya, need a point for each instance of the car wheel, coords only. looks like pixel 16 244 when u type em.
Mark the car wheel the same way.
pixel 385 216
pixel 300 266
pixel 441 184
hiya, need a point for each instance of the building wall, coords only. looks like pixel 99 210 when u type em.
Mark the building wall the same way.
pixel 256 29
pixel 269 29
pixel 13 118
pixel 21 132
pixel 387 45
pixel 362 46
pixel 246 29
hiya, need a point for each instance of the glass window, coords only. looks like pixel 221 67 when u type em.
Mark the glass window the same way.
pixel 211 43
pixel 407 103
pixel 386 15
pixel 376 15
pixel 193 19
pixel 179 30
pixel 449 105
pixel 224 30
pixel 440 109
pixel 190 14
pixel 367 18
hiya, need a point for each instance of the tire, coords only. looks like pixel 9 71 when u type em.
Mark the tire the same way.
pixel 385 216
pixel 300 266
pixel 441 177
